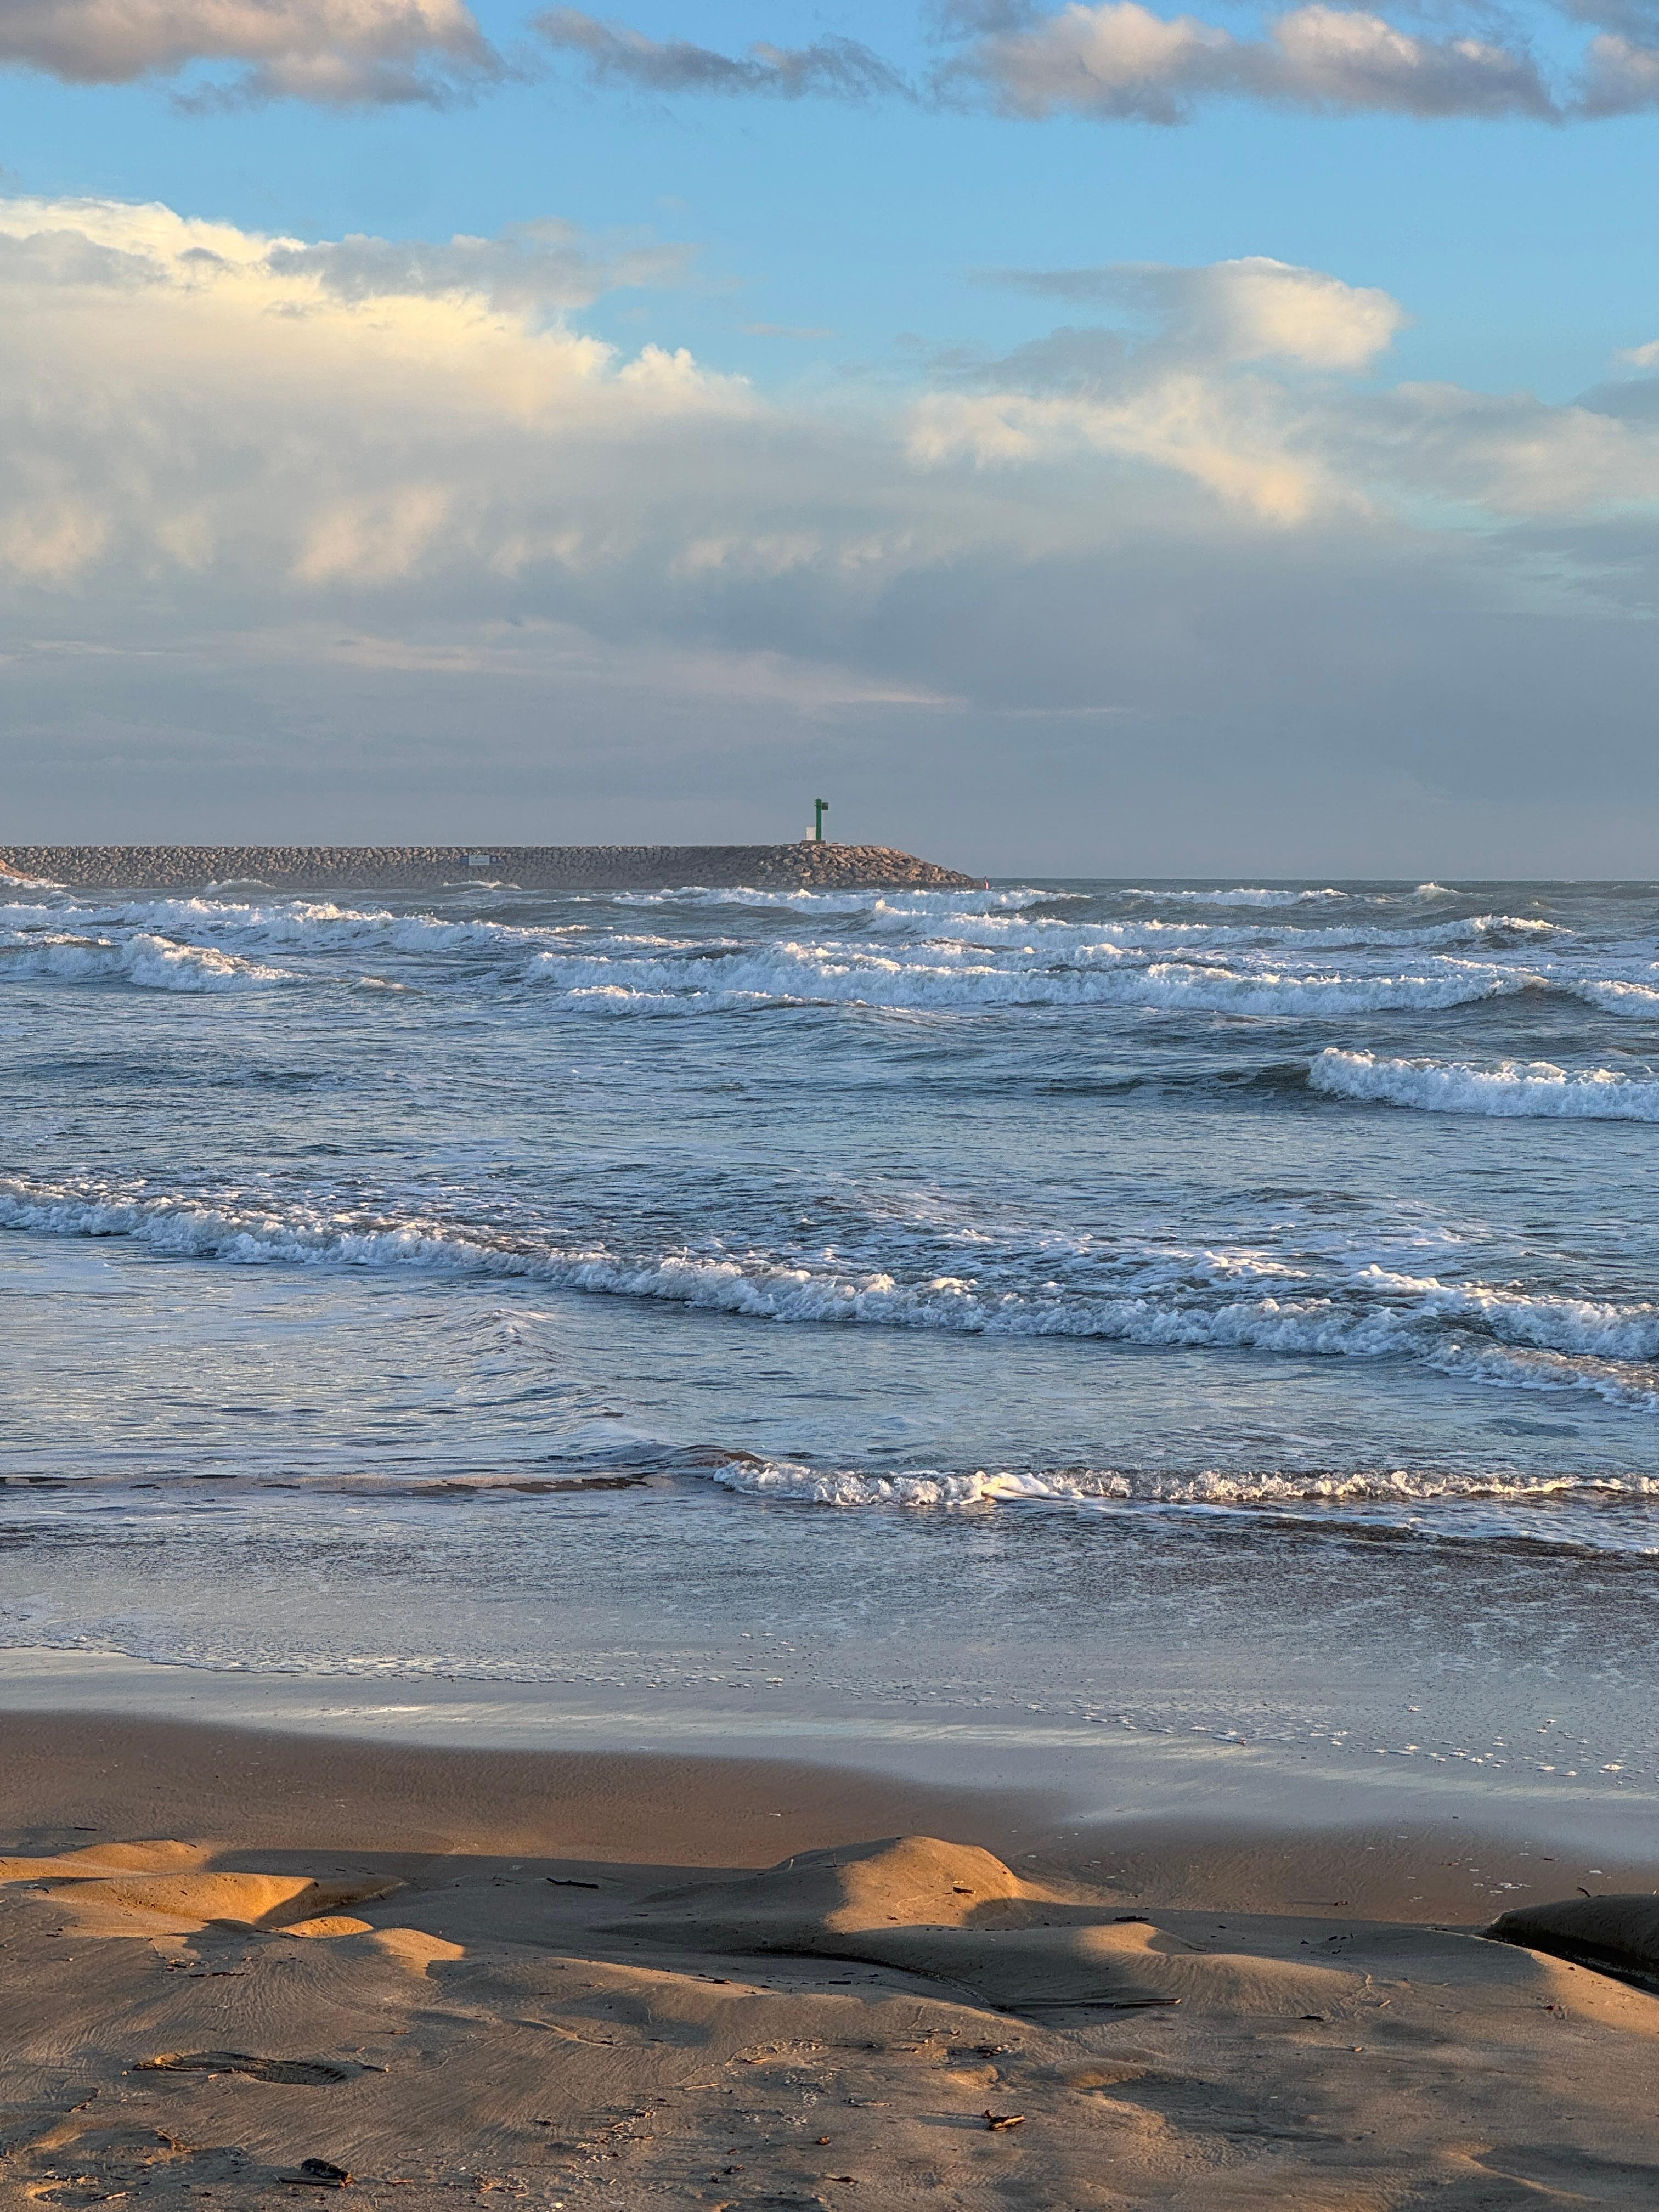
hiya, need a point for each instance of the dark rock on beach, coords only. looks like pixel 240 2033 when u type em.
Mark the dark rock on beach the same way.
pixel 1619 1933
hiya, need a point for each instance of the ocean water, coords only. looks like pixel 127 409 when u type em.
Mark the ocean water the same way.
pixel 1229 1309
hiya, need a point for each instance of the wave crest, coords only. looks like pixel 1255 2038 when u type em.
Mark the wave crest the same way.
pixel 1110 1291
pixel 947 976
pixel 153 964
pixel 1513 1089
pixel 1338 1493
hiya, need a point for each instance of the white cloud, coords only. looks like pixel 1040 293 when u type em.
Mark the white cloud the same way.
pixel 322 494
pixel 546 265
pixel 1341 58
pixel 1512 455
pixel 1106 60
pixel 333 51
pixel 1190 398
pixel 194 397
pixel 49 539
pixel 203 396
pixel 1258 309
pixel 1116 60
pixel 1621 76
pixel 832 68
pixel 1120 59
pixel 1231 440
pixel 193 401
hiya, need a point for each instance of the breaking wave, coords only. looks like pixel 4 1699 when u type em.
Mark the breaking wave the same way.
pixel 155 963
pixel 923 951
pixel 932 904
pixel 1639 1001
pixel 1532 1089
pixel 325 925
pixel 301 925
pixel 946 977
pixel 1241 894
pixel 1515 1504
pixel 1357 936
pixel 1126 1292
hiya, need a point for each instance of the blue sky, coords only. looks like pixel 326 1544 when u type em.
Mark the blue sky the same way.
pixel 1404 579
pixel 1527 253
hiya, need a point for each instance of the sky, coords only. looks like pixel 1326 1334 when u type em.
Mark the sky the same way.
pixel 1091 439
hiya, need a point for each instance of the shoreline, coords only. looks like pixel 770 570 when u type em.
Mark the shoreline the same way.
pixel 602 1979
pixel 1409 1855
pixel 1087 1777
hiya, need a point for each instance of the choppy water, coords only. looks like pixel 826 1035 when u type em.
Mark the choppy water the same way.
pixel 1207 1216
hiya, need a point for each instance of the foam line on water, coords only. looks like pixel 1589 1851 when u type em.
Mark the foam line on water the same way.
pixel 1532 1089
pixel 1496 929
pixel 911 956
pixel 326 926
pixel 1608 1515
pixel 295 925
pixel 943 977
pixel 1222 1300
pixel 1613 1511
pixel 1240 895
pixel 1264 895
pixel 931 904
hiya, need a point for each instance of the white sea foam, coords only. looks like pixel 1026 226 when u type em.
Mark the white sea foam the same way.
pixel 1548 1321
pixel 922 962
pixel 1608 1514
pixel 1478 929
pixel 934 904
pixel 299 925
pixel 1058 931
pixel 1018 936
pixel 1638 1000
pixel 1359 1494
pixel 153 962
pixel 1241 894
pixel 1142 1294
pixel 1519 1089
pixel 922 952
pixel 1629 1384
pixel 945 976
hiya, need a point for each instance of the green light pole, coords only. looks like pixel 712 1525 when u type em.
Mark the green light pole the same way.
pixel 820 808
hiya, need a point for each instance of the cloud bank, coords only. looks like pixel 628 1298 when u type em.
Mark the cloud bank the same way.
pixel 312 487
pixel 1121 61
pixel 337 52
pixel 189 399
pixel 1104 60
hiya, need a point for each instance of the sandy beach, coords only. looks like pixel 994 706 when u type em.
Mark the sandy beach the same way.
pixel 698 1514
pixel 578 1978
pixel 732 1549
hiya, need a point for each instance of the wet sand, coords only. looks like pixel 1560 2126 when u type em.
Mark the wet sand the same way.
pixel 563 1979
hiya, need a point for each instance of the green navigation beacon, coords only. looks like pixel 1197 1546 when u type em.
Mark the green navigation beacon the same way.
pixel 820 808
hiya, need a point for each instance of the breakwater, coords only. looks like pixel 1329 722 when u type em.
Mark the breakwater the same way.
pixel 805 866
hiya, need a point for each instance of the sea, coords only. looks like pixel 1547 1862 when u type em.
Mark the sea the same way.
pixel 1063 1317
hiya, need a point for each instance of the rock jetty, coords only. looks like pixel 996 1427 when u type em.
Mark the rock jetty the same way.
pixel 805 866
